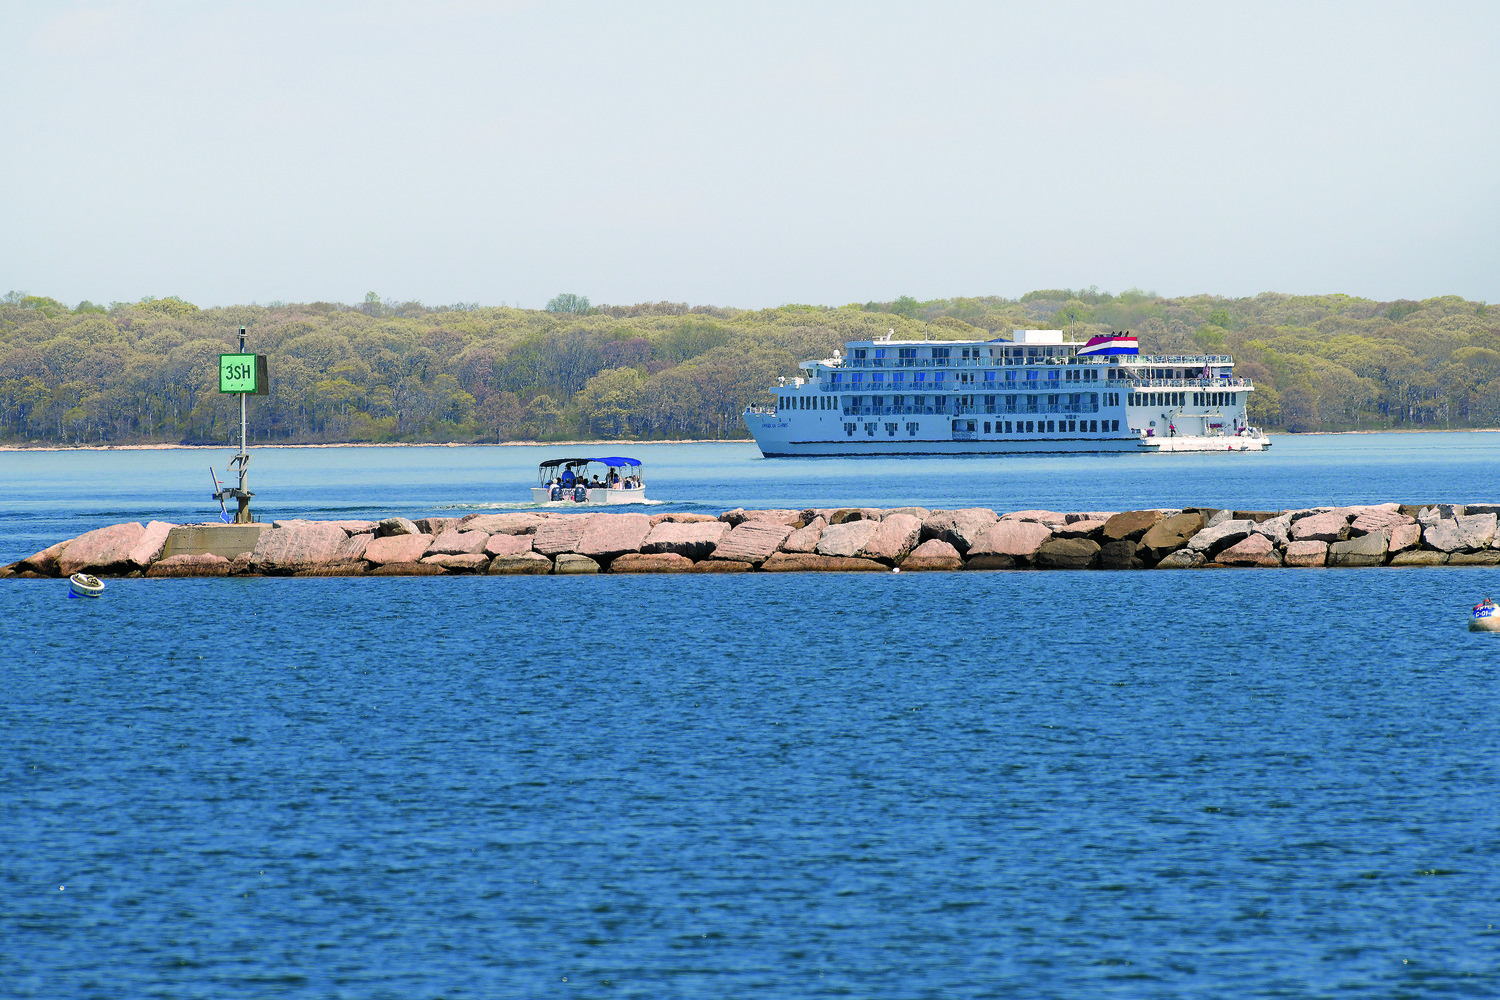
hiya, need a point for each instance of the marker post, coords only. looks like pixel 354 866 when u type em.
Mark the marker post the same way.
pixel 244 375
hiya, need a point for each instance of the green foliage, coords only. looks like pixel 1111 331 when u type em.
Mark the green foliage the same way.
pixel 567 302
pixel 385 371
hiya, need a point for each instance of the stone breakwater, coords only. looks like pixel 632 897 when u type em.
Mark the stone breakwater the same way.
pixel 769 541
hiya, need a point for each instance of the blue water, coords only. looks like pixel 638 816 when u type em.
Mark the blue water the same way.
pixel 1233 783
pixel 48 496
pixel 959 785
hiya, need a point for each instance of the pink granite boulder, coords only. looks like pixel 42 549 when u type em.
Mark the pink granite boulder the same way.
pixel 895 536
pixel 103 551
pixel 1379 520
pixel 196 564
pixel 655 562
pixel 846 538
pixel 811 562
pixel 455 542
pixel 507 545
pixel 805 539
pixel 505 523
pixel 459 562
pixel 1326 527
pixel 610 535
pixel 1007 543
pixel 149 547
pixel 959 528
pixel 296 546
pixel 397 549
pixel 1307 552
pixel 751 542
pixel 681 518
pixel 44 562
pixel 1404 537
pixel 352 549
pixel 692 539
pixel 1253 550
pixel 560 534
pixel 526 563
pixel 932 555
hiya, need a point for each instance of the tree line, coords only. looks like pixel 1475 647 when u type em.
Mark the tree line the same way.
pixel 383 371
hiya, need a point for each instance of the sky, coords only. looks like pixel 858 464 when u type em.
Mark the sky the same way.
pixel 746 155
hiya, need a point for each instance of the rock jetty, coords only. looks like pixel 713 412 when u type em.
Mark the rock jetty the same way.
pixel 843 539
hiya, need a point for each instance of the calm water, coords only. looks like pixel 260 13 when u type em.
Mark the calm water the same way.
pixel 48 496
pixel 1245 783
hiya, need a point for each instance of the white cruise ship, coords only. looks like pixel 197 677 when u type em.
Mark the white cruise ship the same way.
pixel 1038 392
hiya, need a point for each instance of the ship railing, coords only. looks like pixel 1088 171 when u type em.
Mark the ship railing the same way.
pixel 1186 383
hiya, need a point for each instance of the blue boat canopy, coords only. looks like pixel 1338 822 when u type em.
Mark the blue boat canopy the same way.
pixel 613 463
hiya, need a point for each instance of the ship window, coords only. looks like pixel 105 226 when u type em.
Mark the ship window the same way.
pixel 986 426
pixel 1093 426
pixel 1051 427
pixel 989 376
pixel 1234 398
pixel 1030 427
pixel 941 352
pixel 880 352
pixel 898 377
pixel 878 377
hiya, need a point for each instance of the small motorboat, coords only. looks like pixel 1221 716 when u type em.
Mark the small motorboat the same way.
pixel 83 585
pixel 1485 617
pixel 568 480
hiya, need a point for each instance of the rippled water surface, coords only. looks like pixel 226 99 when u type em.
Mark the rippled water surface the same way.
pixel 1237 783
pixel 47 496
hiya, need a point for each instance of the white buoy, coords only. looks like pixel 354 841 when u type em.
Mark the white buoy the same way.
pixel 83 585
pixel 1485 617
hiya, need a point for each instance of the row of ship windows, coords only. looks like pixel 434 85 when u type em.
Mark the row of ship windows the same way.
pixel 1000 427
pixel 967 353
pixel 1010 404
pixel 1180 398
pixel 836 379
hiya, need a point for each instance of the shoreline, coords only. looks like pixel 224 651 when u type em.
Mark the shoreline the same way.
pixel 366 444
pixel 597 442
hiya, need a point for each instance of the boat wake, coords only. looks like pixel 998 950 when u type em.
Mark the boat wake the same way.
pixel 555 505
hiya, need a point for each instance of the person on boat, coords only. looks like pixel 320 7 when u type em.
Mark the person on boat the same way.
pixel 568 478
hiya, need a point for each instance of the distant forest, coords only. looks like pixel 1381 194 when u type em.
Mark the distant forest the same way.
pixel 382 371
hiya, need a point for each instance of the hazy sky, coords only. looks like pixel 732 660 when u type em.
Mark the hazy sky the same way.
pixel 746 154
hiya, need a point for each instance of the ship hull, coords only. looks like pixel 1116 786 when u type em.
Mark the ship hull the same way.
pixel 772 436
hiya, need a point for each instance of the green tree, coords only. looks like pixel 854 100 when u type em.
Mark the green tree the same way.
pixel 567 302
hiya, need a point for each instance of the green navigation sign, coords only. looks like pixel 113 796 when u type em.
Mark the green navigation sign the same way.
pixel 245 373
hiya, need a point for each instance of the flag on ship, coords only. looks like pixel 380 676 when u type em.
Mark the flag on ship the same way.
pixel 1113 343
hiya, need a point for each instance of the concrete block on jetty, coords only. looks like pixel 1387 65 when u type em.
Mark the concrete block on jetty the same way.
pixel 843 539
